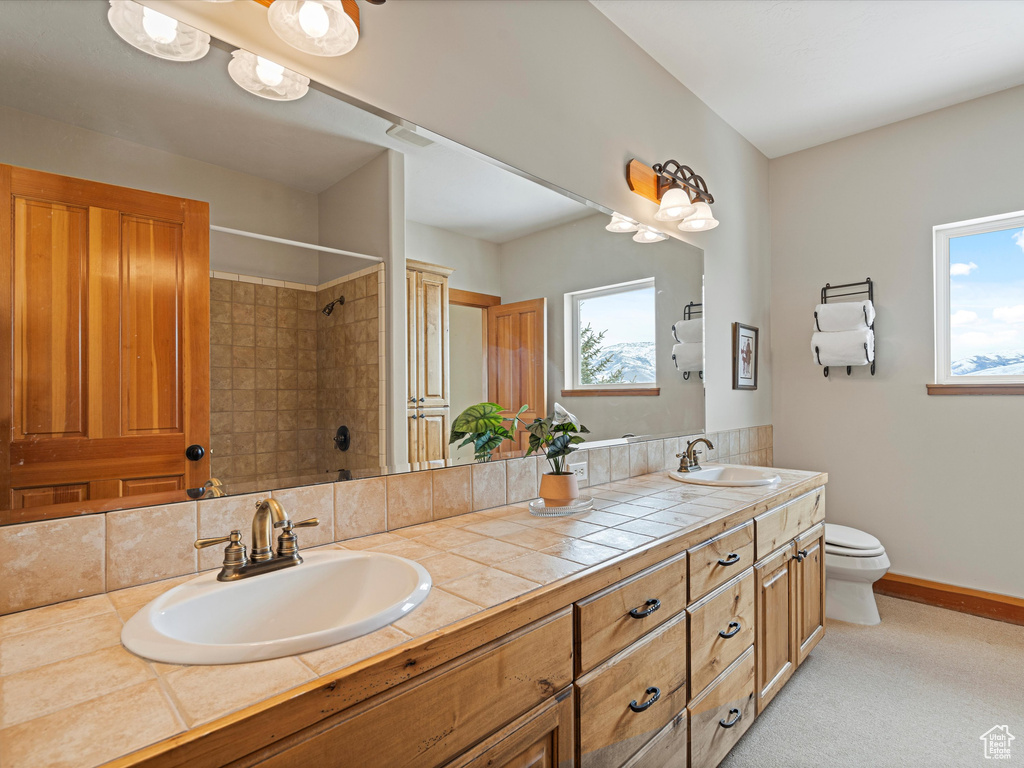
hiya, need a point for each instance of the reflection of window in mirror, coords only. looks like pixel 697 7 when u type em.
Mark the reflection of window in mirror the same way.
pixel 610 336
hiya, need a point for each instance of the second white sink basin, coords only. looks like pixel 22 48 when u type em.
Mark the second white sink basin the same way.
pixel 728 477
pixel 331 597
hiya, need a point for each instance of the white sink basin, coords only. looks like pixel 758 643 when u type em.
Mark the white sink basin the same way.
pixel 728 477
pixel 329 598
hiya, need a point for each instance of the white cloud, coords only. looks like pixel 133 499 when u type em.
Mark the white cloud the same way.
pixel 962 317
pixel 962 270
pixel 1009 314
pixel 1018 238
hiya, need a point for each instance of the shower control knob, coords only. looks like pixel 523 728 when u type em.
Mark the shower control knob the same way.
pixel 195 452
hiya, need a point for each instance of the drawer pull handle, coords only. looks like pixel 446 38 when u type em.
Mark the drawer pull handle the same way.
pixel 734 627
pixel 654 693
pixel 800 555
pixel 735 714
pixel 731 559
pixel 649 607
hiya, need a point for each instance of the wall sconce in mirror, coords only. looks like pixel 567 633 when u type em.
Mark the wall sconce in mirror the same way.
pixel 620 223
pixel 645 234
pixel 265 78
pixel 681 194
pixel 156 33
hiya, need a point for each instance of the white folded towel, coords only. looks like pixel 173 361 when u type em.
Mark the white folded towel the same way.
pixel 689 331
pixel 843 348
pixel 844 316
pixel 688 357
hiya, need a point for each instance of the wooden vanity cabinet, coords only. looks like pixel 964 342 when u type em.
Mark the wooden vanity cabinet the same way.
pixel 776 642
pixel 810 589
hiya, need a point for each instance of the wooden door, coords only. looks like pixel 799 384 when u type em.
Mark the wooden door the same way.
pixel 106 343
pixel 542 738
pixel 517 361
pixel 810 589
pixel 412 335
pixel 433 430
pixel 432 333
pixel 776 624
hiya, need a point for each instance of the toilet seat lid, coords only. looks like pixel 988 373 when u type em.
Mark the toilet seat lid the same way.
pixel 850 538
pixel 831 549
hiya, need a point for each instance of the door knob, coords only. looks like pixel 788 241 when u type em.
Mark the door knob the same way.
pixel 195 452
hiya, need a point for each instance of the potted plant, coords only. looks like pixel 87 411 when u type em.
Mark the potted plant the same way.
pixel 557 436
pixel 484 426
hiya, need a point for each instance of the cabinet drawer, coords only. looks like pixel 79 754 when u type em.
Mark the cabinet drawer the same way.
pixel 722 713
pixel 718 560
pixel 666 750
pixel 615 617
pixel 721 628
pixel 611 731
pixel 773 529
pixel 431 719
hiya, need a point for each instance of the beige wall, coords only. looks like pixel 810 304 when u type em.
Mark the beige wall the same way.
pixel 237 200
pixel 553 88
pixel 937 479
pixel 466 340
pixel 475 261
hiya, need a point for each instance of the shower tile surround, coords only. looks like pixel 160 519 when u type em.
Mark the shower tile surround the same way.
pixel 283 376
pixel 127 548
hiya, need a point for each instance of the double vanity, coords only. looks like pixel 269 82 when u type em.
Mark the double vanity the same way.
pixel 660 653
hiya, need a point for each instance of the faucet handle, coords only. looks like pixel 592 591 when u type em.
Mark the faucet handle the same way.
pixel 234 552
pixel 289 524
pixel 235 537
pixel 287 542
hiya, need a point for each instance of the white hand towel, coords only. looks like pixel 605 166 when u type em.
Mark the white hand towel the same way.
pixel 843 348
pixel 844 316
pixel 688 357
pixel 689 331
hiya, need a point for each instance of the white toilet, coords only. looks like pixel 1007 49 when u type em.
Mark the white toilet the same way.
pixel 854 560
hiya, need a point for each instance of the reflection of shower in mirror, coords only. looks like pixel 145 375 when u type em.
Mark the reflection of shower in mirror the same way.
pixel 330 307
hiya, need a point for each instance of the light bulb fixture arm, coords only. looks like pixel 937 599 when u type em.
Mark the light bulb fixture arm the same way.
pixel 671 173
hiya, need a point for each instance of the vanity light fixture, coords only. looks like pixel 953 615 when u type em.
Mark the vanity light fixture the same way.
pixel 679 192
pixel 319 27
pixel 645 234
pixel 156 33
pixel 701 220
pixel 620 223
pixel 266 78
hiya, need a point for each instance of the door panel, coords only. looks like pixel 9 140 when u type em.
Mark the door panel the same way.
pixel 434 428
pixel 432 296
pixel 810 583
pixel 517 359
pixel 105 342
pixel 412 337
pixel 776 624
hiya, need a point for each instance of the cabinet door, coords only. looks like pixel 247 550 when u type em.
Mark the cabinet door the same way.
pixel 810 583
pixel 106 341
pixel 412 342
pixel 415 454
pixel 776 623
pixel 542 738
pixel 433 431
pixel 432 297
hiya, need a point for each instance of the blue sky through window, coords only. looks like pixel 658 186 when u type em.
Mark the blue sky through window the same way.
pixel 986 300
pixel 627 317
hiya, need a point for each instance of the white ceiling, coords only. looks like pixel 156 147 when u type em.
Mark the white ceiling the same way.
pixel 60 59
pixel 794 74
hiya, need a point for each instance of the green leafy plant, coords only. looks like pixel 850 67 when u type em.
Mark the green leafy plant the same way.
pixel 484 426
pixel 556 436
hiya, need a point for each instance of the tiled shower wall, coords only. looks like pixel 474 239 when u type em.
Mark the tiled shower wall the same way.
pixel 262 379
pixel 350 371
pixel 130 547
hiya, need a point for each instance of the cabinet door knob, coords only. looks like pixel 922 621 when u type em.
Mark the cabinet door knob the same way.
pixel 735 716
pixel 654 693
pixel 649 607
pixel 732 629
pixel 731 559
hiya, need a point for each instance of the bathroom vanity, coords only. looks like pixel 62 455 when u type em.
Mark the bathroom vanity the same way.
pixel 660 656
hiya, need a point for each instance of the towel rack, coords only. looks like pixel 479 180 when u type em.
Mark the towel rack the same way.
pixel 691 312
pixel 864 288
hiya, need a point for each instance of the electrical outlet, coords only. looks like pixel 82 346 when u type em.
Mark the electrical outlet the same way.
pixel 580 470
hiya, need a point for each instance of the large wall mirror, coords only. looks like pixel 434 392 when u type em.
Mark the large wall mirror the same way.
pixel 212 292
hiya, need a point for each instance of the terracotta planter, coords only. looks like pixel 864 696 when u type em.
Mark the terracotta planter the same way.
pixel 559 490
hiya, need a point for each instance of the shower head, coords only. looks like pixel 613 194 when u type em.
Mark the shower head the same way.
pixel 330 307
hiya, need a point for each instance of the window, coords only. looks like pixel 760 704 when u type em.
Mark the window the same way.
pixel 610 337
pixel 979 301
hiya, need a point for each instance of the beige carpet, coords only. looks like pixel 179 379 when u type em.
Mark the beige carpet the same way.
pixel 917 690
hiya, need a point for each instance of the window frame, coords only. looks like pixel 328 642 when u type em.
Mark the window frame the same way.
pixel 942 234
pixel 572 337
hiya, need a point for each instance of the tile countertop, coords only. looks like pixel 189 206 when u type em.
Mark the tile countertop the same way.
pixel 71 695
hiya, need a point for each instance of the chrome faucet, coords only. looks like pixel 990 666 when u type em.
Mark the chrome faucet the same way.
pixel 269 515
pixel 688 458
